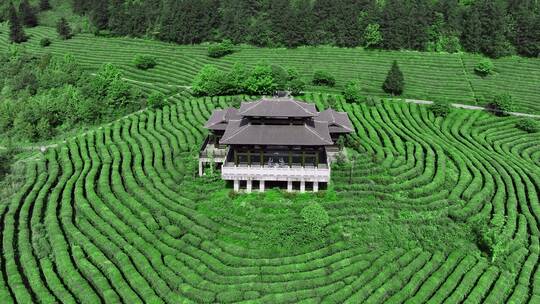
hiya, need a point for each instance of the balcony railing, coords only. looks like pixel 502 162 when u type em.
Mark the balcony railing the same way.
pixel 296 172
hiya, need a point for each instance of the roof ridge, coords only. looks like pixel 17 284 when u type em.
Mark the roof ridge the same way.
pixel 316 134
pixel 297 103
pixel 240 129
pixel 253 105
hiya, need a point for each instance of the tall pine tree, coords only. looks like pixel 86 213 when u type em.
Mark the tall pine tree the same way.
pixel 27 15
pixel 16 31
pixel 395 82
pixel 63 29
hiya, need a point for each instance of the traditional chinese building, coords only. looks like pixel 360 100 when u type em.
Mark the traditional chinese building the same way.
pixel 274 140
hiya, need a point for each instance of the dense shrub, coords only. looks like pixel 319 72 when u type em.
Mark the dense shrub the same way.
pixel 502 104
pixel 219 50
pixel 45 42
pixel 315 216
pixel 353 93
pixel 484 67
pixel 323 78
pixel 144 62
pixel 528 125
pixel 263 79
pixel 210 82
pixel 156 100
pixel 440 108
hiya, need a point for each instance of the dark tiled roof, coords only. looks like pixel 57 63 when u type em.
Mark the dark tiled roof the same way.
pixel 314 132
pixel 241 132
pixel 281 107
pixel 338 122
pixel 219 119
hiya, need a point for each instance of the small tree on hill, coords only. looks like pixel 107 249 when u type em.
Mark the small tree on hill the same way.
pixel 323 78
pixel 484 67
pixel 394 83
pixel 528 125
pixel 27 15
pixel 502 104
pixel 372 35
pixel 63 29
pixel 352 92
pixel 44 5
pixel 440 108
pixel 16 31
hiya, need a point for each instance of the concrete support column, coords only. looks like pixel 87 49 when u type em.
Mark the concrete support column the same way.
pixel 248 186
pixel 302 186
pixel 289 186
pixel 261 186
pixel 236 185
pixel 315 186
pixel 200 168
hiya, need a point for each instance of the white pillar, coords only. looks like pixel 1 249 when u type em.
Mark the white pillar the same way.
pixel 248 187
pixel 200 168
pixel 261 186
pixel 302 186
pixel 289 186
pixel 236 185
pixel 315 186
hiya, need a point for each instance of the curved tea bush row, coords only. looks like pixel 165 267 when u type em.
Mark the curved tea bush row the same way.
pixel 117 216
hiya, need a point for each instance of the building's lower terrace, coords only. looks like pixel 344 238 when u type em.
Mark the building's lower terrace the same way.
pixel 305 167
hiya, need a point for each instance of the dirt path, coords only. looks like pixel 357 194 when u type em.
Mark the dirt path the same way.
pixel 469 107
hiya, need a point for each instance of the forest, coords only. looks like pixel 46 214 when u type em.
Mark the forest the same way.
pixel 495 28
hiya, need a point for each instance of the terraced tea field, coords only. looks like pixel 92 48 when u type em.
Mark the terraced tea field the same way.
pixel 429 76
pixel 118 216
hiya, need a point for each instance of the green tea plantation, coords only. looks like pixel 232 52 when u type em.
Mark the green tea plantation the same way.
pixel 430 210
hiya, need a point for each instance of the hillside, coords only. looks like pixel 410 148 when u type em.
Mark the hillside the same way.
pixel 117 216
pixel 430 76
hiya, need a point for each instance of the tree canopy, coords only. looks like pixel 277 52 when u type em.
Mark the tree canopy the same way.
pixel 493 27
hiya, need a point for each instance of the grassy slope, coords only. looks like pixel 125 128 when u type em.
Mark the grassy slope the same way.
pixel 430 76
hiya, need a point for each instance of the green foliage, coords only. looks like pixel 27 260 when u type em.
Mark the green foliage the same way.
pixel 484 67
pixel 174 231
pixel 323 78
pixel 64 29
pixel 16 31
pixel 394 83
pixel 441 108
pixel 315 217
pixel 528 125
pixel 156 100
pixel 219 50
pixel 492 238
pixel 109 86
pixel 263 79
pixel 502 104
pixel 27 15
pixel 144 62
pixel 353 93
pixel 372 35
pixel 45 94
pixel 44 5
pixel 45 42
pixel 209 82
pixel 6 159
